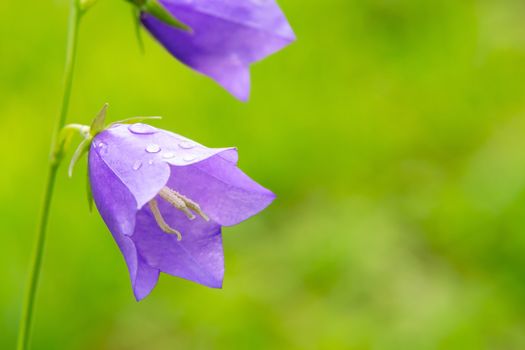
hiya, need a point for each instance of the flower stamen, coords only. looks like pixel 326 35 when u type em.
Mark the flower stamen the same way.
pixel 153 205
pixel 171 196
pixel 183 203
pixel 194 206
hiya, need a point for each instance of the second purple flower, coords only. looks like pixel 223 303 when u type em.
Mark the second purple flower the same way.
pixel 226 36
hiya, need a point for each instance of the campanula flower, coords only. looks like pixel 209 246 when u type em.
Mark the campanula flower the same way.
pixel 224 37
pixel 165 198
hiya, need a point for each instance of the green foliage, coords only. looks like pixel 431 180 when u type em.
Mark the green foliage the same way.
pixel 392 133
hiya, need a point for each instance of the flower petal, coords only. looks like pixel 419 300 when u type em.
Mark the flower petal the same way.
pixel 117 207
pixel 226 37
pixel 197 257
pixel 125 154
pixel 146 279
pixel 224 192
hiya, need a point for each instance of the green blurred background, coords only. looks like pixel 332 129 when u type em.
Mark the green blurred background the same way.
pixel 393 133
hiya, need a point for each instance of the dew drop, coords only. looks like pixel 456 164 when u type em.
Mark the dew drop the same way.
pixel 103 148
pixel 186 145
pixel 189 157
pixel 168 155
pixel 150 162
pixel 142 129
pixel 152 148
pixel 137 165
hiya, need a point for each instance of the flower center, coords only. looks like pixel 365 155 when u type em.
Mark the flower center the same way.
pixel 179 201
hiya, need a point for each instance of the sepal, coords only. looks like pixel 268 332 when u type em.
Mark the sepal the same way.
pixel 135 13
pixel 97 125
pixel 134 120
pixel 155 8
pixel 64 139
pixel 89 192
pixel 82 149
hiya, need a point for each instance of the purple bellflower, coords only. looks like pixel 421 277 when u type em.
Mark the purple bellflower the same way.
pixel 165 198
pixel 225 37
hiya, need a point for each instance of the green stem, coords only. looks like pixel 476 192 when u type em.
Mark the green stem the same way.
pixel 56 157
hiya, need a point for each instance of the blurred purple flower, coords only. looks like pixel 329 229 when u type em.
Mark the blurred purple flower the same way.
pixel 165 198
pixel 226 37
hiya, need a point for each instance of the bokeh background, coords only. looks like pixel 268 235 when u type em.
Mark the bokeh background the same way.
pixel 393 133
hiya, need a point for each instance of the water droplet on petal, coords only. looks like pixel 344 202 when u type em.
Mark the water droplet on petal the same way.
pixel 142 129
pixel 168 155
pixel 152 148
pixel 186 145
pixel 189 157
pixel 102 148
pixel 137 165
pixel 150 162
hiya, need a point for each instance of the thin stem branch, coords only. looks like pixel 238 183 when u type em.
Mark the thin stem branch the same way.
pixel 56 157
